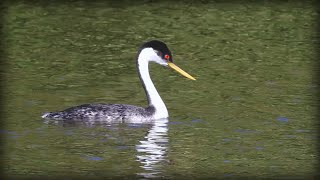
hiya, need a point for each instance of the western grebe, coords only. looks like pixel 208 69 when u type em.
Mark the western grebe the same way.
pixel 152 51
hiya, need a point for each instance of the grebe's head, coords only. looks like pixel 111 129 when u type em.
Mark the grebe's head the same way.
pixel 158 52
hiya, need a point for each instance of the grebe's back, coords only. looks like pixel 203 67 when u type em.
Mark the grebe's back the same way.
pixel 105 112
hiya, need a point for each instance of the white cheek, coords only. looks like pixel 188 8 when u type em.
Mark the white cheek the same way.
pixel 150 55
pixel 160 61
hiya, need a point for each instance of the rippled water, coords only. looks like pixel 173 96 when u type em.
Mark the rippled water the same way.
pixel 251 112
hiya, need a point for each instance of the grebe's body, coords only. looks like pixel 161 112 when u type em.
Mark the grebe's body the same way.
pixel 152 51
pixel 119 113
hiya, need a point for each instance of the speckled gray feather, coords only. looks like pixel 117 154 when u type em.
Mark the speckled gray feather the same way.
pixel 103 112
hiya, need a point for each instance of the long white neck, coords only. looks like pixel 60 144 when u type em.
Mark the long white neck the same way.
pixel 152 94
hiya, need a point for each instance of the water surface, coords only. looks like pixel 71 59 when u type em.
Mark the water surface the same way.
pixel 251 112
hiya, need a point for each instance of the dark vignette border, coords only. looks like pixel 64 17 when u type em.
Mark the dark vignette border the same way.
pixel 316 75
pixel 123 3
pixel 2 81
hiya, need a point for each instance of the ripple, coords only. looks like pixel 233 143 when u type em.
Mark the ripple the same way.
pixel 7 132
pixel 302 130
pixel 245 131
pixel 196 120
pixel 283 119
pixel 226 139
pixel 175 122
pixel 122 147
pixel 289 136
pixel 68 132
pixel 93 158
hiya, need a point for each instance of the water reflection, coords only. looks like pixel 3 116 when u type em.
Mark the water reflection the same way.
pixel 152 150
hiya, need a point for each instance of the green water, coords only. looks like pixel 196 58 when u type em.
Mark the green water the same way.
pixel 251 112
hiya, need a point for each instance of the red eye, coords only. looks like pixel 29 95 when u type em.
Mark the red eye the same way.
pixel 166 57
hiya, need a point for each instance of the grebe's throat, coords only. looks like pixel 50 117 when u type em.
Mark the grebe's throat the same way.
pixel 152 94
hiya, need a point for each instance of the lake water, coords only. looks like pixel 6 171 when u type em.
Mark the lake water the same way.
pixel 251 112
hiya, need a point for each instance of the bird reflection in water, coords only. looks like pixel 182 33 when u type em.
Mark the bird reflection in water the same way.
pixel 152 150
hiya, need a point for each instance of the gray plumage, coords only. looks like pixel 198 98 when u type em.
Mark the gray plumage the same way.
pixel 104 112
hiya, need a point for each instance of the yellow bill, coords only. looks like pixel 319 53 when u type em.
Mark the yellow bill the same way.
pixel 173 66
